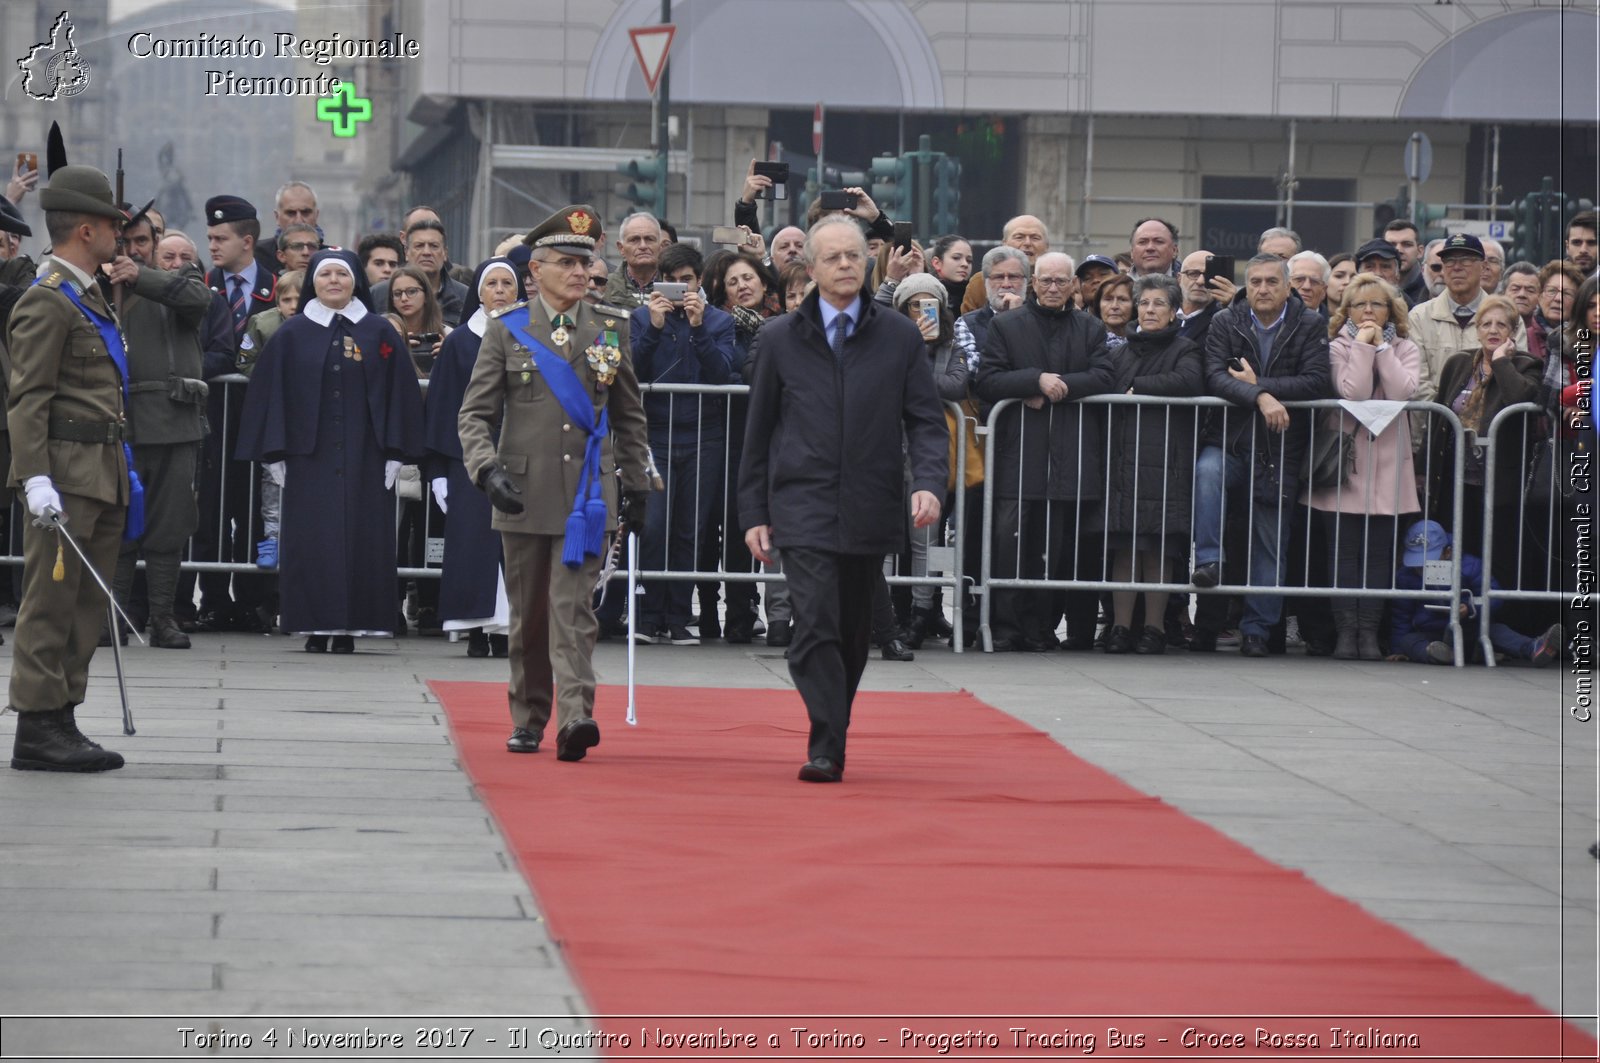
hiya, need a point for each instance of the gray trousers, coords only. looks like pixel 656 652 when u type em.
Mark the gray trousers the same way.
pixel 171 516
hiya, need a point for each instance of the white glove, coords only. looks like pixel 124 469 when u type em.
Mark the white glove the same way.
pixel 441 489
pixel 41 495
pixel 391 473
pixel 275 472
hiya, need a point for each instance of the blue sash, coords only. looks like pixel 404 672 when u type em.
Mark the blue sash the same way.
pixel 586 524
pixel 111 336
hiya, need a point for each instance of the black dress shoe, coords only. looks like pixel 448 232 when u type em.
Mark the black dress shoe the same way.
pixel 317 644
pixel 1204 640
pixel 499 645
pixel 576 739
pixel 820 769
pixel 896 650
pixel 708 626
pixel 739 633
pixel 1207 575
pixel 477 643
pixel 522 740
pixel 1044 645
pixel 1252 646
pixel 1152 640
pixel 343 644
pixel 1119 640
pixel 779 633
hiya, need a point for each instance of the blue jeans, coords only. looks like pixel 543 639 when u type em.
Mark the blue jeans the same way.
pixel 674 526
pixel 1214 477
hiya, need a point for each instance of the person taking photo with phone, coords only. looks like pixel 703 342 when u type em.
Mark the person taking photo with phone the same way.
pixel 678 339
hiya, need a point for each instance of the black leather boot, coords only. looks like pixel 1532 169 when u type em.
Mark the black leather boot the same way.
pixel 477 643
pixel 51 741
pixel 166 635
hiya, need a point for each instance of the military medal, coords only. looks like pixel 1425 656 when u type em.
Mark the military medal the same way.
pixel 604 355
pixel 348 345
pixel 559 336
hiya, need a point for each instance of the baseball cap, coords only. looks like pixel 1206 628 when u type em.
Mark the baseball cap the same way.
pixel 1425 541
pixel 1376 249
pixel 1462 244
pixel 1096 260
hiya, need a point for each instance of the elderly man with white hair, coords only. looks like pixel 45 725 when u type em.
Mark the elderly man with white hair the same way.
pixel 1049 453
pixel 1308 276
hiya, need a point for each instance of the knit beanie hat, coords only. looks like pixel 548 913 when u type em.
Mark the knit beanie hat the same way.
pixel 918 284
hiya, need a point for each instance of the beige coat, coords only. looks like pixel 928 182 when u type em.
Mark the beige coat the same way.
pixel 1436 334
pixel 539 447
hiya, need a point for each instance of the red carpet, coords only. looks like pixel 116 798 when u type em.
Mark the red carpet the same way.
pixel 968 868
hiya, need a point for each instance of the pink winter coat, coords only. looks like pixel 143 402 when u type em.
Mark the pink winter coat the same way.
pixel 1383 481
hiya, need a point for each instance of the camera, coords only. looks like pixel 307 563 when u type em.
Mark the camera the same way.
pixel 422 339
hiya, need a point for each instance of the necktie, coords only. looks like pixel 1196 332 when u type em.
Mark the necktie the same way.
pixel 1464 317
pixel 841 325
pixel 237 303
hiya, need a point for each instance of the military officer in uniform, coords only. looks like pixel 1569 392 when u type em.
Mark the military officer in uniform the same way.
pixel 556 371
pixel 162 314
pixel 65 412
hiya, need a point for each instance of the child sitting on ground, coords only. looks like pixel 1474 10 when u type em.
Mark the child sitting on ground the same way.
pixel 257 332
pixel 1419 633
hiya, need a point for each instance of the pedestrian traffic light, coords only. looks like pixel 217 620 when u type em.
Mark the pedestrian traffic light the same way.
pixel 891 185
pixel 946 195
pixel 646 187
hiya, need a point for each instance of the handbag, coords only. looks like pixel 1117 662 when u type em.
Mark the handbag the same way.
pixel 1330 458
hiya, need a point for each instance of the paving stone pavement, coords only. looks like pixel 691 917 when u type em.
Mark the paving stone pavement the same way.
pixel 294 834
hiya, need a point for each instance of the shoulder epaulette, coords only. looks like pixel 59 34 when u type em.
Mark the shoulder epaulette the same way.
pixel 53 279
pixel 604 308
pixel 507 309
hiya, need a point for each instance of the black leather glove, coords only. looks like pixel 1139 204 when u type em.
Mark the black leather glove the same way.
pixel 501 489
pixel 635 505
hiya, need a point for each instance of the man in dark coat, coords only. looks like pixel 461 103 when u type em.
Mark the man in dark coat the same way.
pixel 162 315
pixel 1259 354
pixel 1049 454
pixel 245 275
pixel 824 473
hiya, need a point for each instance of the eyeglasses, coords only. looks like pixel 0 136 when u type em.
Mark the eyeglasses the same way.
pixel 302 247
pixel 1193 274
pixel 1369 306
pixel 405 293
pixel 1052 282
pixel 1461 262
pixel 1435 268
pixel 997 279
pixel 1563 293
pixel 598 282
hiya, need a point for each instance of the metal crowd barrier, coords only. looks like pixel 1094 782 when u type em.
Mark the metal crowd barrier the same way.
pixel 1090 567
pixel 722 431
pixel 1536 540
pixel 1091 509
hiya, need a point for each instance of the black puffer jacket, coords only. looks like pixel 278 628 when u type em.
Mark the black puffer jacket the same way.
pixel 1151 477
pixel 1041 452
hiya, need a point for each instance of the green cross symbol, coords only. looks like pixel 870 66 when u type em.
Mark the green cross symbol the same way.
pixel 343 110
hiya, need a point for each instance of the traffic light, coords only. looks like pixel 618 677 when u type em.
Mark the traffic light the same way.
pixel 891 185
pixel 946 195
pixel 646 187
pixel 1387 211
pixel 1428 222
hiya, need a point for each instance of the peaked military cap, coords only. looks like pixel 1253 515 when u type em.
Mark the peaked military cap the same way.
pixel 11 219
pixel 228 208
pixel 82 190
pixel 571 230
